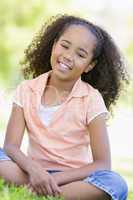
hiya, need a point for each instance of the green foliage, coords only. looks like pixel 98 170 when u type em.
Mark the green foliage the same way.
pixel 19 193
pixel 18 20
pixel 129 52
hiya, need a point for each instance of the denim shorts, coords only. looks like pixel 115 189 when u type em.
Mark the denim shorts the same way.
pixel 108 181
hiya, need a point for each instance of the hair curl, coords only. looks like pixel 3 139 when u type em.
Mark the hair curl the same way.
pixel 109 72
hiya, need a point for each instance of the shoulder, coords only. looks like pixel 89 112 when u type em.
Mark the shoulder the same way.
pixel 94 104
pixel 28 90
pixel 91 91
pixel 93 99
pixel 32 84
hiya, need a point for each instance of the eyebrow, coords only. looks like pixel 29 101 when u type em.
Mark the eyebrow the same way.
pixel 81 49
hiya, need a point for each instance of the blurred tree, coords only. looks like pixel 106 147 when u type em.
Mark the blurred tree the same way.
pixel 18 20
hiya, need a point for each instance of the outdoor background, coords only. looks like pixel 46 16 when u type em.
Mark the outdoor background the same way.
pixel 21 19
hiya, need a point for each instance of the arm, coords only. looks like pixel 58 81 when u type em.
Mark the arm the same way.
pixel 14 136
pixel 101 153
pixel 41 181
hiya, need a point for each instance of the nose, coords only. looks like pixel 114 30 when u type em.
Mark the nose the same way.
pixel 68 56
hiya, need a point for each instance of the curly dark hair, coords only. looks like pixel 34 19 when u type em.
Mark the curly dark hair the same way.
pixel 109 72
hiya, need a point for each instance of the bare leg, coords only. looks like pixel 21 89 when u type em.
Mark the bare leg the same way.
pixel 83 191
pixel 12 173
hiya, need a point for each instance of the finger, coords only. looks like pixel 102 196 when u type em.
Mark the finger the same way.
pixel 44 191
pixel 30 189
pixel 55 188
pixel 57 194
pixel 49 190
pixel 33 191
pixel 28 186
pixel 38 190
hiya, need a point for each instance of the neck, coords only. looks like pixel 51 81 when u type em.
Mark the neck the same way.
pixel 59 84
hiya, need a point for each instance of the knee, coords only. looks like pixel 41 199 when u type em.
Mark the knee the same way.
pixel 110 182
pixel 117 186
pixel 11 173
pixel 121 186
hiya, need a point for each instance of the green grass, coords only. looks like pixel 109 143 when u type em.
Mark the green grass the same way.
pixel 19 193
pixel 122 166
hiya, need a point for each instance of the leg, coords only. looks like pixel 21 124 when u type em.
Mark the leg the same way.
pixel 107 180
pixel 83 191
pixel 12 173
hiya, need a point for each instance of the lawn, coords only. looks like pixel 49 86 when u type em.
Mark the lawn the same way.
pixel 19 193
pixel 123 166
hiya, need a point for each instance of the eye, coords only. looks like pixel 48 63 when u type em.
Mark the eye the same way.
pixel 81 55
pixel 64 46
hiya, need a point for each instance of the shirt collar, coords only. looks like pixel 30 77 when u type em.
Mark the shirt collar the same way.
pixel 38 85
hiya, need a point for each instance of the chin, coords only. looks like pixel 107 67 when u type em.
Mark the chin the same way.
pixel 61 75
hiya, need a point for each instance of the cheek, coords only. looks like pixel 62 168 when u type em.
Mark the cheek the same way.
pixel 81 63
pixel 56 51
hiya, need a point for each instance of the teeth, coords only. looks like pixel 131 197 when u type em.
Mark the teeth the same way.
pixel 64 66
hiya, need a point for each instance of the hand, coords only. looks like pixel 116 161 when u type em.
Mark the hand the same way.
pixel 41 182
pixel 57 177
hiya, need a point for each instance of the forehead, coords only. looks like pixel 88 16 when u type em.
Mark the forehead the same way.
pixel 80 35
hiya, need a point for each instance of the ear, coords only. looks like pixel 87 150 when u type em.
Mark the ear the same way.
pixel 90 66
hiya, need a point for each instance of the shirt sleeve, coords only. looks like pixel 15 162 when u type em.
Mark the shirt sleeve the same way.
pixel 18 97
pixel 96 106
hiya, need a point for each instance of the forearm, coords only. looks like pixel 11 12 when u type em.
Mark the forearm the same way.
pixel 80 173
pixel 18 157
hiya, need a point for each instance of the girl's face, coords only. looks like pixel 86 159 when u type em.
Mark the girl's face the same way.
pixel 72 53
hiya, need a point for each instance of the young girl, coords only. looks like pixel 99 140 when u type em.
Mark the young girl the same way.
pixel 77 75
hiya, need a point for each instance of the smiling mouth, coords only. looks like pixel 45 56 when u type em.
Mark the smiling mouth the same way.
pixel 64 66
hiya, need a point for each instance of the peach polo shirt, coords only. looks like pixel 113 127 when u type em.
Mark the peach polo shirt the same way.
pixel 65 142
